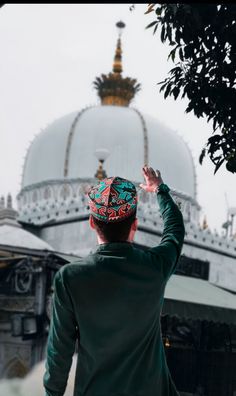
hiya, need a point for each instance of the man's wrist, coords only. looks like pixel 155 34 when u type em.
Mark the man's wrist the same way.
pixel 162 188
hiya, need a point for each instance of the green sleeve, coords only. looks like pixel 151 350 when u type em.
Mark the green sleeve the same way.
pixel 172 240
pixel 61 340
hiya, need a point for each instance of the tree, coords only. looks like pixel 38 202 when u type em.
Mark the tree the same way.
pixel 203 47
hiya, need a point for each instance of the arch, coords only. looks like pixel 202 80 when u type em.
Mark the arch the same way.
pixel 47 193
pixel 16 367
pixel 65 191
pixel 35 196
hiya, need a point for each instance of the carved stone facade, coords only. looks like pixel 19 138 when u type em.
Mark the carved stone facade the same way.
pixel 54 200
pixel 63 216
pixel 25 299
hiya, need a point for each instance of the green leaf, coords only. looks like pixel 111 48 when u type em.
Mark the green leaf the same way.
pixel 163 33
pixel 176 92
pixel 151 24
pixel 218 165
pixel 164 83
pixel 169 32
pixel 158 11
pixel 214 139
pixel 155 28
pixel 172 54
pixel 189 107
pixel 167 91
pixel 181 55
pixel 202 155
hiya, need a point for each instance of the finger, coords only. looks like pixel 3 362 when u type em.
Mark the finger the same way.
pixel 145 169
pixel 152 171
pixel 151 174
pixel 145 174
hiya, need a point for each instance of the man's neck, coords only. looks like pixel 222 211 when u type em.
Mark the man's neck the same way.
pixel 102 241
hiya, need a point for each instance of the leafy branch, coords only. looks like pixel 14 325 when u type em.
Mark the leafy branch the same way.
pixel 203 49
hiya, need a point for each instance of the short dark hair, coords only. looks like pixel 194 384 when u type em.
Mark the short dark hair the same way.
pixel 114 231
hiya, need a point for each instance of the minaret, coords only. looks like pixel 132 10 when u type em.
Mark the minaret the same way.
pixel 112 88
pixel 8 215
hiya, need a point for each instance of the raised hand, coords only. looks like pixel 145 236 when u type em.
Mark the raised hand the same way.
pixel 153 179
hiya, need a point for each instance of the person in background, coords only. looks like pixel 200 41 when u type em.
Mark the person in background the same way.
pixel 111 300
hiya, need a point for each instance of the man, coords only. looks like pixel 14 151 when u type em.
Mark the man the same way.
pixel 114 298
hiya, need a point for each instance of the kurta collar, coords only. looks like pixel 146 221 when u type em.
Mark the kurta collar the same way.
pixel 114 246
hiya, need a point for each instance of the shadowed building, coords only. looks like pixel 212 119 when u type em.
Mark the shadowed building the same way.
pixel 27 268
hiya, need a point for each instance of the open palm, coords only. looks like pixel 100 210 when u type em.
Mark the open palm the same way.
pixel 153 179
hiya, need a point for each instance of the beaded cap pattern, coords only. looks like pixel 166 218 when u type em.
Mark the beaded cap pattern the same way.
pixel 113 199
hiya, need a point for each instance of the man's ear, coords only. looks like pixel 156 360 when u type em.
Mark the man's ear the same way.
pixel 91 222
pixel 135 224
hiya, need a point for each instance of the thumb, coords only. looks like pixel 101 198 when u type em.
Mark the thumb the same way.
pixel 143 186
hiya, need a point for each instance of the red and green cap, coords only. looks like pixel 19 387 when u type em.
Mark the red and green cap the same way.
pixel 113 199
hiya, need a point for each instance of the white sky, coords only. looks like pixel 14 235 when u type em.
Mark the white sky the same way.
pixel 51 54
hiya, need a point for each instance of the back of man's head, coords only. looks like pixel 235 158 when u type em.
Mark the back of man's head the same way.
pixel 113 206
pixel 114 232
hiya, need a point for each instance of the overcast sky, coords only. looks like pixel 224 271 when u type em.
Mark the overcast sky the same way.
pixel 50 55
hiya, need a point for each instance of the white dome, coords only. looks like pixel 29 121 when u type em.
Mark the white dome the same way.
pixel 65 149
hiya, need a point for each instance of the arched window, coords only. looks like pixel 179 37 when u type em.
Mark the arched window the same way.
pixel 47 194
pixel 15 368
pixel 35 196
pixel 65 191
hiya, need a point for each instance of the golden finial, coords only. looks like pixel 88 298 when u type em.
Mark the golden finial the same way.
pixel 112 88
pixel 204 224
pixel 117 65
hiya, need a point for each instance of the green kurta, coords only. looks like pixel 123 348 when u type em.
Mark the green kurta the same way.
pixel 113 299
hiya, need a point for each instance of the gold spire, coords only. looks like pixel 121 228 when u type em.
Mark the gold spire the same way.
pixel 112 88
pixel 204 224
pixel 117 65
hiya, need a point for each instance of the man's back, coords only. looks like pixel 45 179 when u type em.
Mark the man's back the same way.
pixel 114 298
pixel 117 299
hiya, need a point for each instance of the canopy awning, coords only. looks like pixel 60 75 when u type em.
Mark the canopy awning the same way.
pixel 198 299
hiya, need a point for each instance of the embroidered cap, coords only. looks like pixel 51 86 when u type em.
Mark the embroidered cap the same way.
pixel 113 199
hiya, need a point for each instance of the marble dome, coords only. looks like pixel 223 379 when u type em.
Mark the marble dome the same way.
pixel 66 148
pixel 110 139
